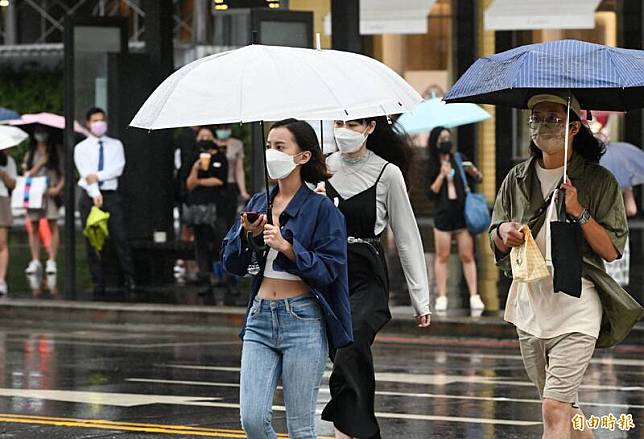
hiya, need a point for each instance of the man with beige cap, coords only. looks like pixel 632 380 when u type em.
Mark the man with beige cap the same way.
pixel 557 332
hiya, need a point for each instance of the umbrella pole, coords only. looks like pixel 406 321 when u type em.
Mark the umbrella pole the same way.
pixel 321 135
pixel 269 203
pixel 566 140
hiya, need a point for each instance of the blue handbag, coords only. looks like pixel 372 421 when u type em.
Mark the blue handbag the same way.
pixel 477 214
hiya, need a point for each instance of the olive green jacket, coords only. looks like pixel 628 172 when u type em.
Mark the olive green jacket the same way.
pixel 520 200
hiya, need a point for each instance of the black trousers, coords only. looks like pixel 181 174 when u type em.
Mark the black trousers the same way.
pixel 352 382
pixel 118 236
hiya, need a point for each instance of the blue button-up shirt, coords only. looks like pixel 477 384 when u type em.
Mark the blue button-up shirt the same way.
pixel 317 231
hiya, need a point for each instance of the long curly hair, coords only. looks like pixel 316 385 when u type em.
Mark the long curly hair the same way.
pixel 584 143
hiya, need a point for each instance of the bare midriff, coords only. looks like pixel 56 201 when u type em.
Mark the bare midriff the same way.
pixel 275 289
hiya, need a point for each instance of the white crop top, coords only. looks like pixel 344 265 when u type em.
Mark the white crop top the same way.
pixel 270 273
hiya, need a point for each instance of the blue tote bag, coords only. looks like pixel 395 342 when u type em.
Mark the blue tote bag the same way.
pixel 477 214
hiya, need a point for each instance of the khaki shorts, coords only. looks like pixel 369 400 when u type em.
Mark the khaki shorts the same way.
pixel 557 365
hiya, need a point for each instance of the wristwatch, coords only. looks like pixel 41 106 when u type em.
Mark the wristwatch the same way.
pixel 584 217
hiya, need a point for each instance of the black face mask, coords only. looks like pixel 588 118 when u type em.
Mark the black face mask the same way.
pixel 445 147
pixel 206 145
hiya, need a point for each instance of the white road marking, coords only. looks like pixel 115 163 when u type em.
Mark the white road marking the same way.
pixel 106 398
pixel 129 400
pixel 596 360
pixel 132 345
pixel 325 390
pixel 437 379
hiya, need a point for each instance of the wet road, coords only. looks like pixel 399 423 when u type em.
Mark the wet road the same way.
pixel 73 383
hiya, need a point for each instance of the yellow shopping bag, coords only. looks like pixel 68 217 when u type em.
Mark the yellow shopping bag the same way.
pixel 528 264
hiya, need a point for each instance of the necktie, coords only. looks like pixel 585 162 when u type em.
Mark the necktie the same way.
pixel 101 159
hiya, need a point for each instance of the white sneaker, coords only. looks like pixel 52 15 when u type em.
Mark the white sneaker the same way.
pixel 51 268
pixel 3 288
pixel 34 267
pixel 476 303
pixel 441 304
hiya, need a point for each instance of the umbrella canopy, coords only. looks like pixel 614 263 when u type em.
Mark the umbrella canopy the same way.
pixel 434 113
pixel 626 162
pixel 11 136
pixel 601 77
pixel 49 119
pixel 259 82
pixel 96 229
pixel 6 114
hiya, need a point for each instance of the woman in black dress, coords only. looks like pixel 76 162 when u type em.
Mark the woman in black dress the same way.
pixel 369 189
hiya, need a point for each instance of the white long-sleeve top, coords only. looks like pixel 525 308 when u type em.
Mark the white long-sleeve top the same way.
pixel 392 207
pixel 86 160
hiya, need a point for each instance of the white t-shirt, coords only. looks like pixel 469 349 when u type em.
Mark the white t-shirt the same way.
pixel 536 309
pixel 10 169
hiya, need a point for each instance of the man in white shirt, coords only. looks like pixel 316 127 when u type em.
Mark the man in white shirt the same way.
pixel 100 161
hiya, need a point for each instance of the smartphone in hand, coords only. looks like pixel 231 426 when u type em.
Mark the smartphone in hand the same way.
pixel 252 216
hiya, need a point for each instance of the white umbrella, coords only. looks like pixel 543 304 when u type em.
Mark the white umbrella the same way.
pixel 11 136
pixel 259 82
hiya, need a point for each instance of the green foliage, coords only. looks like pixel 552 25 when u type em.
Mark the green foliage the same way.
pixel 30 90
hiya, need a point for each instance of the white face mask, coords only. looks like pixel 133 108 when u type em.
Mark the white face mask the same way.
pixel 279 164
pixel 349 141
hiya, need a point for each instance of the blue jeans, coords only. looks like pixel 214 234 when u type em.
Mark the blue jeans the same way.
pixel 284 339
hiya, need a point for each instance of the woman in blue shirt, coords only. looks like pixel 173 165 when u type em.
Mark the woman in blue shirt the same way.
pixel 300 294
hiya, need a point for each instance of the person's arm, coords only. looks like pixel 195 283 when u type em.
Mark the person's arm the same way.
pixel 209 182
pixel 56 190
pixel 84 169
pixel 407 237
pixel 594 233
pixel 240 174
pixel 9 176
pixel 629 202
pixel 36 167
pixel 504 232
pixel 193 180
pixel 438 183
pixel 473 172
pixel 240 178
pixel 7 180
pixel 114 165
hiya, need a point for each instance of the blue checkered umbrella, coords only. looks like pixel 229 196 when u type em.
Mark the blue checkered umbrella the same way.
pixel 601 77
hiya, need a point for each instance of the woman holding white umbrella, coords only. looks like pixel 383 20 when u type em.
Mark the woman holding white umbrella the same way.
pixel 300 294
pixel 369 189
pixel 358 87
